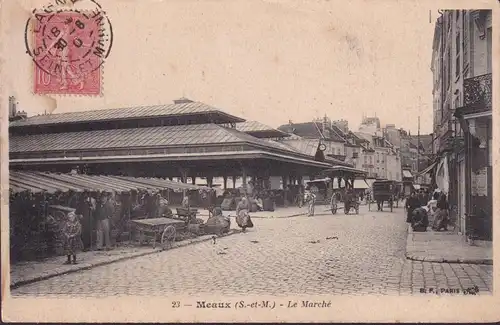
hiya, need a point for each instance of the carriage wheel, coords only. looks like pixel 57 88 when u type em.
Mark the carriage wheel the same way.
pixel 168 237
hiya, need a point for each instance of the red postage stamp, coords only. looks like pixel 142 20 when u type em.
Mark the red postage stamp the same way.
pixel 69 49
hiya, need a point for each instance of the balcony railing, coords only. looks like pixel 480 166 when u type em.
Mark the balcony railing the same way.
pixel 477 91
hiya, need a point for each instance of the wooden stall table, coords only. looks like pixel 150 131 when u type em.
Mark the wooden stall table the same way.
pixel 166 228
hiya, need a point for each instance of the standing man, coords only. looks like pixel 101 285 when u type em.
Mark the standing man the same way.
pixel 87 209
pixel 104 213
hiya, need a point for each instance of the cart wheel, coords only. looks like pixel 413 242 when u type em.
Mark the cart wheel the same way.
pixel 168 237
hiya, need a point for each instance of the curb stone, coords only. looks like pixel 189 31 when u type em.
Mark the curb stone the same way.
pixel 434 259
pixel 86 266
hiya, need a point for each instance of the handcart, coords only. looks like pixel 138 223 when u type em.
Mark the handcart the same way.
pixel 163 228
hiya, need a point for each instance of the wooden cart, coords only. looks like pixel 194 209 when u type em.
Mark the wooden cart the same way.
pixel 163 228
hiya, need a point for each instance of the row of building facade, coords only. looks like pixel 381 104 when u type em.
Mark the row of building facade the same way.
pixel 462 94
pixel 382 152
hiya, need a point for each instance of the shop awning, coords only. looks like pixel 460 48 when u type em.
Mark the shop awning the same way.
pixel 428 169
pixel 347 169
pixel 37 182
pixel 407 174
pixel 361 184
pixel 370 182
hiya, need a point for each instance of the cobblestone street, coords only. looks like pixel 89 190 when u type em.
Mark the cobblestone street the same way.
pixel 324 254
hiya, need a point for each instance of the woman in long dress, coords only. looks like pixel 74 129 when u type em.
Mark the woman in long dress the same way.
pixel 242 217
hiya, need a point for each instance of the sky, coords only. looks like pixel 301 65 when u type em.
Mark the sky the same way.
pixel 270 61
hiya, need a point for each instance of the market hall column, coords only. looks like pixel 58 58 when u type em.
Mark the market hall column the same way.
pixel 184 173
pixel 284 180
pixel 244 172
pixel 225 181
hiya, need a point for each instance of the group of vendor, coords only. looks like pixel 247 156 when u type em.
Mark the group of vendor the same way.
pixel 425 208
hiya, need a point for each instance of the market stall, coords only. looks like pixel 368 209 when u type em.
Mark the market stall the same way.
pixel 40 202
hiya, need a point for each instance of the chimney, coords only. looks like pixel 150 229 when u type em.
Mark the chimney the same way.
pixel 182 100
pixel 12 107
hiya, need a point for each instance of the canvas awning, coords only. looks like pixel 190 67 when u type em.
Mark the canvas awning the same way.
pixel 370 182
pixel 407 174
pixel 361 184
pixel 428 169
pixel 37 182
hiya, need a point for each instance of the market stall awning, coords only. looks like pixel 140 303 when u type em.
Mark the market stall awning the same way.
pixel 37 182
pixel 163 183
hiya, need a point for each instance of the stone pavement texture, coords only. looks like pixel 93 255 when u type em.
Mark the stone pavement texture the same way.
pixel 28 272
pixel 432 246
pixel 321 255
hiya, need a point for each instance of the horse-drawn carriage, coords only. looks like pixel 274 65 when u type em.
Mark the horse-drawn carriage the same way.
pixel 385 191
pixel 320 192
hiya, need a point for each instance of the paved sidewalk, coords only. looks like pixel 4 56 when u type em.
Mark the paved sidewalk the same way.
pixel 32 271
pixel 446 247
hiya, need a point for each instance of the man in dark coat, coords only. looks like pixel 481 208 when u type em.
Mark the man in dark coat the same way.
pixel 412 203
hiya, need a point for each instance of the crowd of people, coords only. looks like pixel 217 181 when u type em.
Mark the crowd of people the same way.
pixel 36 228
pixel 426 209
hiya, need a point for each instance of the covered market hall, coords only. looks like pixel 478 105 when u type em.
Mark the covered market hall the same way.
pixel 60 160
pixel 183 140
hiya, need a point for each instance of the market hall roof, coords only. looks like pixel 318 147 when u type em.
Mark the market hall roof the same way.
pixel 260 130
pixel 181 112
pixel 169 142
pixel 165 136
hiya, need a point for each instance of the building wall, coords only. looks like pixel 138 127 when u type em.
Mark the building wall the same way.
pixel 466 49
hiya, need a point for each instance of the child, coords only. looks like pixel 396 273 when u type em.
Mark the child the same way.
pixel 72 237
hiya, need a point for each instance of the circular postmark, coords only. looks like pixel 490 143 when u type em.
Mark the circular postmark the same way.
pixel 69 43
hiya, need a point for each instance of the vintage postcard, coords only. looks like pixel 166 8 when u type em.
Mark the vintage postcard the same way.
pixel 270 160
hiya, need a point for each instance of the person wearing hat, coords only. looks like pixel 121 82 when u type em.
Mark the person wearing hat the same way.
pixel 103 215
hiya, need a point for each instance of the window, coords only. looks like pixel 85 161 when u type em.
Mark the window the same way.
pixel 465 42
pixel 354 155
pixel 457 54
